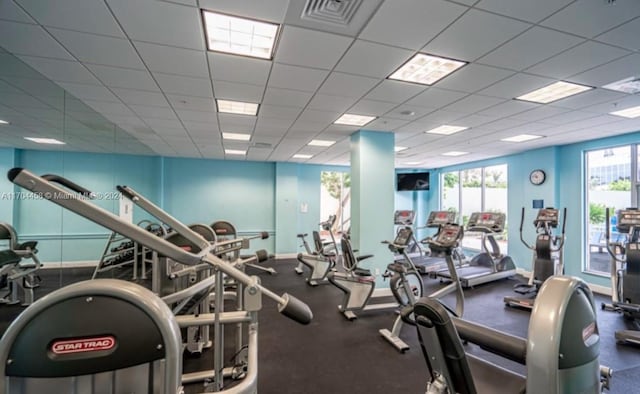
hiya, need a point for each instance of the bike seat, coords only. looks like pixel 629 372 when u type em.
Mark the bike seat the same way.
pixel 397 267
pixel 8 257
pixel 362 272
pixel 302 235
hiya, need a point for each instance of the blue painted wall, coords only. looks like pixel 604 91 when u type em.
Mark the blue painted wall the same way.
pixel 7 162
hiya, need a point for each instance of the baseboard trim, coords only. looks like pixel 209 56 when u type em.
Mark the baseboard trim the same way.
pixel 603 290
pixel 282 256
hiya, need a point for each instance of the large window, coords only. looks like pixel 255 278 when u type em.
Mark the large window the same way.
pixel 609 184
pixel 335 199
pixel 474 190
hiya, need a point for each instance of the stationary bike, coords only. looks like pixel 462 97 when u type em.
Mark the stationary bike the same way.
pixel 625 291
pixel 359 283
pixel 547 256
pixel 321 260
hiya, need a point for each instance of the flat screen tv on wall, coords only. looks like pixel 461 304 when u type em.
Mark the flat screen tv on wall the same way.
pixel 412 181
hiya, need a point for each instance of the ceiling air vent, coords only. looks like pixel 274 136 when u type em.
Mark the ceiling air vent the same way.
pixel 261 145
pixel 331 11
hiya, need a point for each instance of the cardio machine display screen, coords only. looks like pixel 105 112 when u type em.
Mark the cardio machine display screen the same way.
pixel 437 218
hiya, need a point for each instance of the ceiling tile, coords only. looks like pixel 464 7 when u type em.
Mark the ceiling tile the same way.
pixel 610 72
pixel 508 108
pixel 310 48
pixel 231 121
pixel 436 98
pixel 371 107
pixel 147 111
pixel 569 117
pixel 441 117
pixel 473 104
pixel 400 112
pixel 532 11
pixel 171 60
pixel 91 92
pixel 588 18
pixel 61 70
pixel 516 86
pixel 23 39
pixel 474 34
pixel 287 97
pixel 271 11
pixel 141 97
pixel 108 107
pixel 118 77
pixel 577 59
pixel 90 48
pixel 296 78
pixel 347 85
pixel 140 20
pixel 239 68
pixel 624 36
pixel 474 120
pixel 191 103
pixel 589 98
pixel 473 77
pixel 394 91
pixel 194 127
pixel 414 24
pixel 183 85
pixel 280 112
pixel 79 15
pixel 533 46
pixel 331 103
pixel 238 91
pixel 268 123
pixel 625 102
pixel 539 113
pixel 159 124
pixel 373 60
pixel 386 124
pixel 197 116
pixel 325 117
pixel 12 12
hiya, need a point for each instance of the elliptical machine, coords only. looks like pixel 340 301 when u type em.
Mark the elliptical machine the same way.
pixel 323 259
pixel 625 292
pixel 358 283
pixel 445 242
pixel 547 256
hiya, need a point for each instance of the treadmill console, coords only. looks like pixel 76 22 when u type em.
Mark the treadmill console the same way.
pixel 486 222
pixel 628 218
pixel 440 218
pixel 448 236
pixel 548 216
pixel 404 218
pixel 403 237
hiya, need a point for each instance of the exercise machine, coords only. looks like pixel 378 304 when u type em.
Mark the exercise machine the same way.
pixel 75 198
pixel 560 353
pixel 358 283
pixel 225 231
pixel 490 264
pixel 323 259
pixel 19 265
pixel 547 256
pixel 434 261
pixel 625 280
pixel 445 243
pixel 406 218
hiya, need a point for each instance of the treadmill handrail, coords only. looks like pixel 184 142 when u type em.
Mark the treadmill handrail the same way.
pixel 521 236
pixel 288 305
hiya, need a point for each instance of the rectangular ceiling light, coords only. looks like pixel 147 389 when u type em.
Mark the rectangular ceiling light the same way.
pixel 446 130
pixel 236 136
pixel 51 141
pixel 240 36
pixel 521 138
pixel 321 143
pixel 235 152
pixel 553 92
pixel 3 122
pixel 455 153
pixel 302 156
pixel 354 120
pixel 629 85
pixel 632 112
pixel 426 69
pixel 399 148
pixel 237 107
pixel 412 163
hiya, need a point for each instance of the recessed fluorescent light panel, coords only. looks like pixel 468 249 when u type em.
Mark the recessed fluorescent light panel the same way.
pixel 632 112
pixel 446 130
pixel 354 120
pixel 51 141
pixel 240 36
pixel 521 138
pixel 553 92
pixel 455 153
pixel 426 69
pixel 321 143
pixel 235 152
pixel 301 156
pixel 237 107
pixel 629 85
pixel 412 163
pixel 236 136
pixel 3 122
pixel 399 148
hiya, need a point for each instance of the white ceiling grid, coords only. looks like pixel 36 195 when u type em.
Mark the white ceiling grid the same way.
pixel 143 65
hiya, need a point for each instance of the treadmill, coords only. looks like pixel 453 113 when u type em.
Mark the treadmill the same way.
pixel 405 218
pixel 434 260
pixel 490 264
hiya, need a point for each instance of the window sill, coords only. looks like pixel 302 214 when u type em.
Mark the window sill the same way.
pixel 597 273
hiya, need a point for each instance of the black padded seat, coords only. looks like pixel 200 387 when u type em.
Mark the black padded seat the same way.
pixel 397 267
pixel 8 257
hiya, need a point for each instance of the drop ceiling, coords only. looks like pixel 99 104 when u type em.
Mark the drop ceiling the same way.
pixel 135 76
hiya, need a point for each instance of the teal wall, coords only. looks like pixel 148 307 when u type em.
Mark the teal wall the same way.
pixel 7 162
